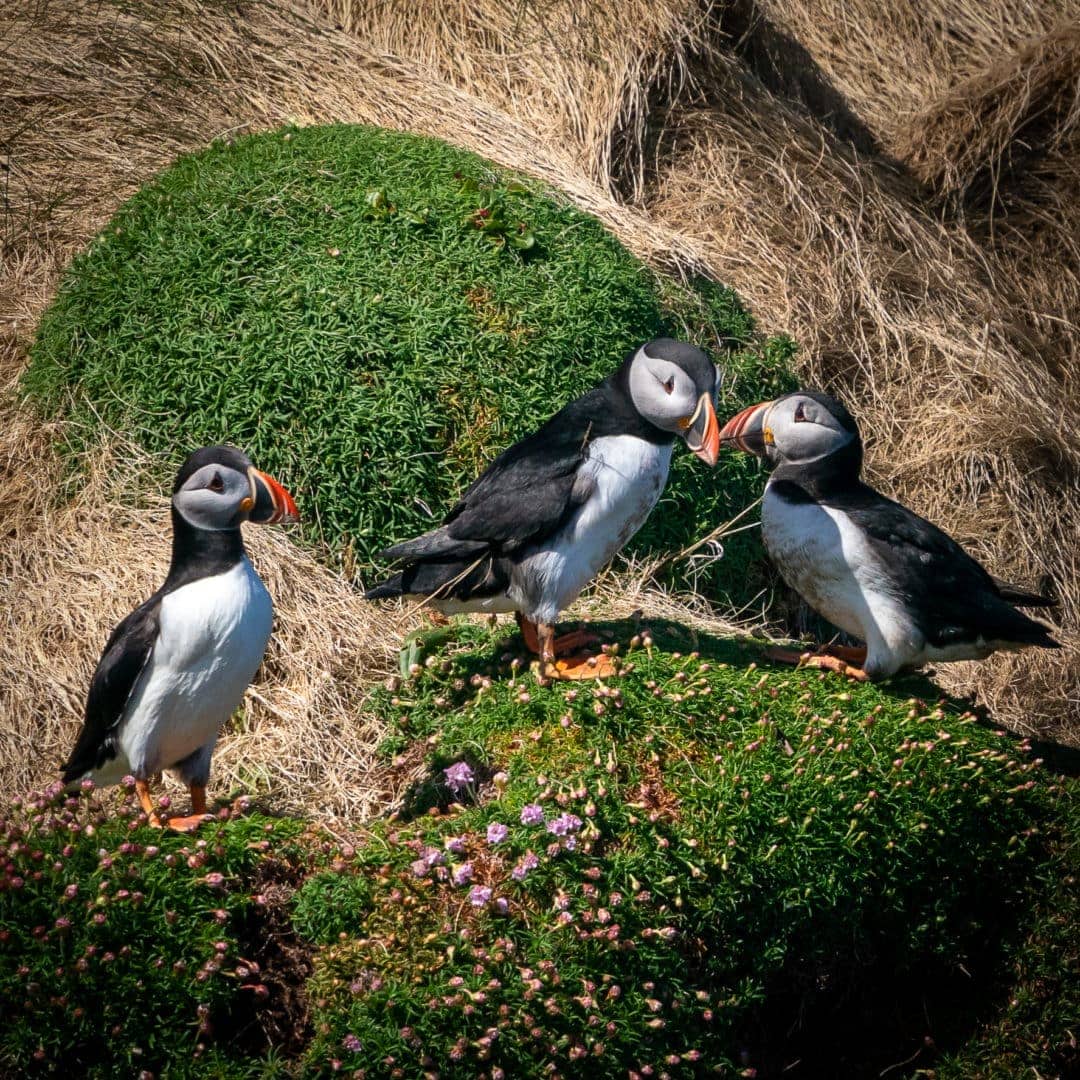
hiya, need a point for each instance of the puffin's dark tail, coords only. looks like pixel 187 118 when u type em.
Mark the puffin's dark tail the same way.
pixel 1014 626
pixel 457 578
pixel 385 590
pixel 437 544
pixel 1021 597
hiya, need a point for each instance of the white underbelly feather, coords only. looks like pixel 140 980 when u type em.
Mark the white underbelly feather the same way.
pixel 826 558
pixel 626 476
pixel 211 640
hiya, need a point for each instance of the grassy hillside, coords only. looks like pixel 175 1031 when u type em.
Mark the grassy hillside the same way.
pixel 694 869
pixel 373 316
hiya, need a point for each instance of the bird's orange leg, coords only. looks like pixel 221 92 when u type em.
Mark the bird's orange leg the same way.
pixel 855 655
pixel 574 667
pixel 142 789
pixel 824 661
pixel 564 643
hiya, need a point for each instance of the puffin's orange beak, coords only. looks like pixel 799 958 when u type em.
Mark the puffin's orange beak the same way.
pixel 703 431
pixel 273 504
pixel 746 430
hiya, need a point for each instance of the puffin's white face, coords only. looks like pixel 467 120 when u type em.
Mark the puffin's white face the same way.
pixel 800 429
pixel 673 385
pixel 215 497
pixel 227 491
pixel 797 428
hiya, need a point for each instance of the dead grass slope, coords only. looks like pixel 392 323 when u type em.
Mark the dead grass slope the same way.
pixel 960 412
pixel 890 61
pixel 779 153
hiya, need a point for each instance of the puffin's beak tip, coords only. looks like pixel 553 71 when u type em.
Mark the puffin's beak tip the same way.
pixel 707 427
pixel 273 504
pixel 745 430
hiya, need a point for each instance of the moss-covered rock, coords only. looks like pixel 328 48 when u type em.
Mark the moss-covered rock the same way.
pixel 704 867
pixel 647 876
pixel 373 315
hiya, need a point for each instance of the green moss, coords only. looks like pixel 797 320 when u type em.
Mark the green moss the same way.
pixel 125 948
pixel 750 846
pixel 325 298
pixel 1030 1029
pixel 722 866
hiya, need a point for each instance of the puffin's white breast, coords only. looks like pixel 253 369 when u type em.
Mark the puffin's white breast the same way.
pixel 626 476
pixel 827 559
pixel 211 639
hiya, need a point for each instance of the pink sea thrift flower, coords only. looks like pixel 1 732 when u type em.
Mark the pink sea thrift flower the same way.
pixel 458 776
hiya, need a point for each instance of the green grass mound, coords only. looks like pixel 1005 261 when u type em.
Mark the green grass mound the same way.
pixel 123 948
pixel 703 868
pixel 665 874
pixel 373 315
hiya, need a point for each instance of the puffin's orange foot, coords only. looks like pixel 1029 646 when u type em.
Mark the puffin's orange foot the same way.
pixel 436 617
pixel 540 638
pixel 855 655
pixel 573 642
pixel 600 666
pixel 834 663
pixel 822 661
pixel 185 824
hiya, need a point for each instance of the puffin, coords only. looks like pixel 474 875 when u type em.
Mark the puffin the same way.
pixel 176 668
pixel 870 566
pixel 549 512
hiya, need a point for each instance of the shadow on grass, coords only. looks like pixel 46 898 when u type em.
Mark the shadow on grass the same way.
pixel 667 635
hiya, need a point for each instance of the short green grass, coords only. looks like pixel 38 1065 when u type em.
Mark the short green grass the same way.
pixel 123 948
pixel 698 846
pixel 374 315
pixel 708 866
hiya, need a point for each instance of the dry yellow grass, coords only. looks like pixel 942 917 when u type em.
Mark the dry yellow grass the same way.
pixel 93 102
pixel 961 413
pixel 955 349
pixel 892 60
pixel 578 75
pixel 951 332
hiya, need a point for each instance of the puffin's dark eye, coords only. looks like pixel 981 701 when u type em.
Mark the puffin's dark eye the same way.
pixel 669 386
pixel 217 484
pixel 800 414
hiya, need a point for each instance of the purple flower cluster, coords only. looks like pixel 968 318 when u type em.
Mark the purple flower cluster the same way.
pixel 479 895
pixel 532 814
pixel 497 832
pixel 527 862
pixel 458 776
pixel 564 825
pixel 430 858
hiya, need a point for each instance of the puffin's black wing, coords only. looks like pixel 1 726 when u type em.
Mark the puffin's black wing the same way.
pixel 951 597
pixel 126 654
pixel 525 494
